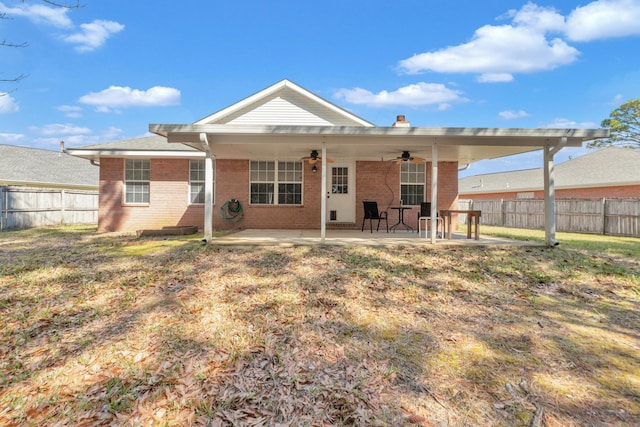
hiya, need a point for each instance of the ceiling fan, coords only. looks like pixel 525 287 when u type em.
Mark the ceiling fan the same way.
pixel 407 157
pixel 314 157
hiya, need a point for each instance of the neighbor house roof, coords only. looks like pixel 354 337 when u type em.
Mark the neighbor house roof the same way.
pixel 610 166
pixel 45 168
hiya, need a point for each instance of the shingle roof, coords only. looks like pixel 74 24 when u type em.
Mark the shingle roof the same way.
pixel 607 167
pixel 36 167
pixel 145 143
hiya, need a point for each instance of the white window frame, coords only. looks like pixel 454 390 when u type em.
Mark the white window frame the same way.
pixel 275 173
pixel 135 175
pixel 200 180
pixel 410 175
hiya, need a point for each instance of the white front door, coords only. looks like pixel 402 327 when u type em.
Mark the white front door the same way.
pixel 341 192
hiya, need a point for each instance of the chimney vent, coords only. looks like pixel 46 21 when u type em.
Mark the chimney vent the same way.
pixel 401 122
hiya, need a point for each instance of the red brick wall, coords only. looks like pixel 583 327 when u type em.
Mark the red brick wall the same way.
pixel 376 181
pixel 169 193
pixel 232 181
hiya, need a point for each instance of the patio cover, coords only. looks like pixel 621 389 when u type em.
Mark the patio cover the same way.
pixel 462 145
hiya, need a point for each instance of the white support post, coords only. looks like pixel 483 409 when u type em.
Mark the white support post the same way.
pixel 550 193
pixel 323 195
pixel 208 189
pixel 434 192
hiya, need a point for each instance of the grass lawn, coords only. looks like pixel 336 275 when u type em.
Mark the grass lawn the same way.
pixel 109 329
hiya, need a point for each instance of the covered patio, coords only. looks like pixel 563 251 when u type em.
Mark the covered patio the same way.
pixel 288 238
pixel 461 145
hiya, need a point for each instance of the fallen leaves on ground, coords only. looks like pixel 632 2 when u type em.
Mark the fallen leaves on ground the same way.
pixel 115 330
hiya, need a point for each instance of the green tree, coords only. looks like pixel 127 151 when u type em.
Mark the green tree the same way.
pixel 624 124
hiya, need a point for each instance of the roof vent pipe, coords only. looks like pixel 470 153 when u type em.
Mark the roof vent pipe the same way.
pixel 401 122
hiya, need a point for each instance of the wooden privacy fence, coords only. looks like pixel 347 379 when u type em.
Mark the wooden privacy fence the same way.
pixel 24 207
pixel 616 217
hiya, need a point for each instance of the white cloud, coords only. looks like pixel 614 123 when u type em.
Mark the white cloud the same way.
pixel 71 111
pixel 8 104
pixel 538 18
pixel 111 133
pixel 604 19
pixel 535 40
pixel 55 16
pixel 11 138
pixel 94 35
pixel 513 114
pixel 415 95
pixel 494 78
pixel 496 52
pixel 618 100
pixel 60 130
pixel 561 123
pixel 73 136
pixel 121 97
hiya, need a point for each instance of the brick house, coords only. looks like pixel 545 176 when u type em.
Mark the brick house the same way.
pixel 293 160
pixel 611 172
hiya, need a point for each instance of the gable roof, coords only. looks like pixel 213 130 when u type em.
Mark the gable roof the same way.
pixel 284 103
pixel 603 168
pixel 287 122
pixel 45 168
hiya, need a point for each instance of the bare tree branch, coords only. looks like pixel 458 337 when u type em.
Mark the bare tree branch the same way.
pixel 66 6
pixel 9 44
pixel 75 4
pixel 15 79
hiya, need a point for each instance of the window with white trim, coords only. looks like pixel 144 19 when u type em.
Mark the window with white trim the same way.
pixel 196 181
pixel 275 183
pixel 136 181
pixel 412 183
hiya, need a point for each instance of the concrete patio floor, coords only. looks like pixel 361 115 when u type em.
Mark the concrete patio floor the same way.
pixel 353 238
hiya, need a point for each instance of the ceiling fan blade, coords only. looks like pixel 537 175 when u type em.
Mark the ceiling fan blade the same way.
pixel 417 160
pixel 329 160
pixel 313 161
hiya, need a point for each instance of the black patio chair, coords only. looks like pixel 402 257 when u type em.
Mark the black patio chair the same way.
pixel 371 213
pixel 425 215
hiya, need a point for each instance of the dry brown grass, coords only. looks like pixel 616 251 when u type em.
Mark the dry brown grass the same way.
pixel 110 329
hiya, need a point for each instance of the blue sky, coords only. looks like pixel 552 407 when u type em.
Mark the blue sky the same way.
pixel 105 71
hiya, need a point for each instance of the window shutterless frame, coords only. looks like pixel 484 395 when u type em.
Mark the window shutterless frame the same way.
pixel 197 181
pixel 136 181
pixel 275 182
pixel 412 183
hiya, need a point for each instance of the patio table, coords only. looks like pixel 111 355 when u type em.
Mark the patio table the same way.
pixel 400 210
pixel 473 218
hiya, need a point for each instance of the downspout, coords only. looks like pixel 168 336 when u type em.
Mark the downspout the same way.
pixel 323 195
pixel 434 192
pixel 208 189
pixel 549 192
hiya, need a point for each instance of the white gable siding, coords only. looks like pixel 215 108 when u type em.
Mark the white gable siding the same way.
pixel 279 111
pixel 287 108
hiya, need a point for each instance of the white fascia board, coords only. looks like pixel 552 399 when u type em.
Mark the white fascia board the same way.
pixel 453 136
pixel 95 154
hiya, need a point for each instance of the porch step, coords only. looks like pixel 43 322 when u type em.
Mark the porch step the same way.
pixel 342 226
